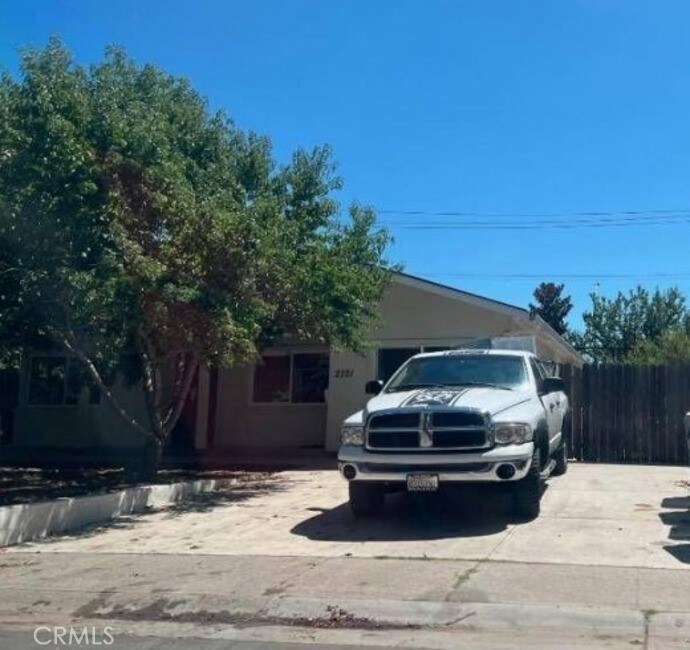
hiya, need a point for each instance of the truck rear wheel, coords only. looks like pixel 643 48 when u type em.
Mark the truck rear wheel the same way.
pixel 366 500
pixel 527 491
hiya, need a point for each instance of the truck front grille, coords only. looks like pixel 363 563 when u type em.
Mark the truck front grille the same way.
pixel 393 439
pixel 395 421
pixel 468 438
pixel 428 431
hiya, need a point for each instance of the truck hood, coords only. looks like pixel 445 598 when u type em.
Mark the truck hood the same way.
pixel 493 400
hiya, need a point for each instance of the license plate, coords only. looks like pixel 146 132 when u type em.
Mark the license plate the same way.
pixel 422 482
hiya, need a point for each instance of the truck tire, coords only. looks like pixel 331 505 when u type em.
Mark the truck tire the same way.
pixel 366 500
pixel 561 458
pixel 527 491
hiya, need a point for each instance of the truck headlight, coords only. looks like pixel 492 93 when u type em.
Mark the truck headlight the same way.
pixel 352 434
pixel 512 433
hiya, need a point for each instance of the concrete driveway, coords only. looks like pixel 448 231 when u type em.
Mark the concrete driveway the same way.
pixel 610 515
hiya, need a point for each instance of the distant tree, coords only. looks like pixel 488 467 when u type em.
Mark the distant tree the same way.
pixel 615 327
pixel 552 305
pixel 134 220
pixel 671 347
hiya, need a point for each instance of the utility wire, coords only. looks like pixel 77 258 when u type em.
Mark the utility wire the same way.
pixel 531 221
pixel 530 226
pixel 531 214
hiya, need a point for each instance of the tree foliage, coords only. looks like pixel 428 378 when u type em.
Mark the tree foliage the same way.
pixel 671 347
pixel 552 305
pixel 615 327
pixel 134 219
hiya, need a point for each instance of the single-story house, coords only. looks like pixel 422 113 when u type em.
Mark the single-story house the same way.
pixel 295 399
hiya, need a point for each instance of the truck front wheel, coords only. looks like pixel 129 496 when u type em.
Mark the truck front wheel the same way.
pixel 561 458
pixel 366 500
pixel 527 491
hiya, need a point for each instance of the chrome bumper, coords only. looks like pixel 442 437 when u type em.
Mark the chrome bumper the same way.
pixel 479 467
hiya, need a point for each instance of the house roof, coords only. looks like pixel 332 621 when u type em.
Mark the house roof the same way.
pixel 533 321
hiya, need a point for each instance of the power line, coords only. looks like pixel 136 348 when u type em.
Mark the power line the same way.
pixel 531 214
pixel 400 219
pixel 536 225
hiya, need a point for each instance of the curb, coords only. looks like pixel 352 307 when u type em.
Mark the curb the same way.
pixel 31 521
pixel 504 617
pixel 319 613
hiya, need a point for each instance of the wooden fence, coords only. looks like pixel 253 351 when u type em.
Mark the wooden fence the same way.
pixel 629 414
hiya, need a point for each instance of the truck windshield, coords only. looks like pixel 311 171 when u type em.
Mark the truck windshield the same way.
pixel 460 370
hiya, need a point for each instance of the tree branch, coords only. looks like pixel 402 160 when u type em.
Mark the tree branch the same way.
pixel 112 400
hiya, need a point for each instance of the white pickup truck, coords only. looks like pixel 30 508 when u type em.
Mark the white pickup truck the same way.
pixel 459 416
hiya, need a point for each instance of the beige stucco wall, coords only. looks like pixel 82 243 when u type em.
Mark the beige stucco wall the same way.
pixel 410 317
pixel 412 314
pixel 82 425
pixel 239 422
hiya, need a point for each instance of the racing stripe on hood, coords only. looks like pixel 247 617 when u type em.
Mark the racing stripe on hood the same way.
pixel 434 397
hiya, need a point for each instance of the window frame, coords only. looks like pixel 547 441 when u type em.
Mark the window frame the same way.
pixel 289 353
pixel 67 359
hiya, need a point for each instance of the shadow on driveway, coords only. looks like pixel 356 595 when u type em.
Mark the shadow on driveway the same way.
pixel 242 491
pixel 677 517
pixel 465 511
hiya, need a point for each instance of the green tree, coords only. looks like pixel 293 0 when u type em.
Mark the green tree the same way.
pixel 552 305
pixel 615 327
pixel 134 219
pixel 671 347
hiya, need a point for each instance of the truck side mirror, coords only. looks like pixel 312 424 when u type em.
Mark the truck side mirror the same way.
pixel 373 387
pixel 552 385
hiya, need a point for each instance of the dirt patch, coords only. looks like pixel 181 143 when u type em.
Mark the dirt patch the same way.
pixel 159 610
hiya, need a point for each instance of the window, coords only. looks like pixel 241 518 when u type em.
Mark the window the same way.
pixel 390 359
pixel 298 378
pixel 60 381
pixel 309 378
pixel 461 370
pixel 537 370
pixel 272 379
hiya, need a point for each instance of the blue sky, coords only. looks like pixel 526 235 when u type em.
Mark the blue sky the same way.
pixel 486 106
